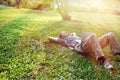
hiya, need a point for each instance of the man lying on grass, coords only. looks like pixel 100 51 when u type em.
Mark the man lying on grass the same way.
pixel 90 45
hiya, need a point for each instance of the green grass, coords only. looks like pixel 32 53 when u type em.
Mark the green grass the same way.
pixel 23 55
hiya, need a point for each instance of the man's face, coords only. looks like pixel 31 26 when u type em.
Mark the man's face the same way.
pixel 64 35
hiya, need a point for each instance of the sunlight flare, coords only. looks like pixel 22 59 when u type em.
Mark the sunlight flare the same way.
pixel 97 4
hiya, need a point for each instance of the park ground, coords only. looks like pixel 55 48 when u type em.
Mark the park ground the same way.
pixel 25 56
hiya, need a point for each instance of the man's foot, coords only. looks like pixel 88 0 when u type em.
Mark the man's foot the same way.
pixel 107 65
pixel 102 60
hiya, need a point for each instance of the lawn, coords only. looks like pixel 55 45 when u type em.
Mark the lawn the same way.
pixel 24 55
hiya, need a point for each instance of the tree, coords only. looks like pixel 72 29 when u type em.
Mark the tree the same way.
pixel 63 8
pixel 118 4
pixel 18 3
pixel 117 11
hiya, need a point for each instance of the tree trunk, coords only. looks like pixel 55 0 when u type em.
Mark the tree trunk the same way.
pixel 18 3
pixel 66 11
pixel 117 11
pixel 63 8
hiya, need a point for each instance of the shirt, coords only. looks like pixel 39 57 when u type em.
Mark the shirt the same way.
pixel 73 42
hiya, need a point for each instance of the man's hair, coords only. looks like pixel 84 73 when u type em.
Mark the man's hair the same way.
pixel 61 34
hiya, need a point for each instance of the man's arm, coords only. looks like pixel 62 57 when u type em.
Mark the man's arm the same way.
pixel 53 39
pixel 57 40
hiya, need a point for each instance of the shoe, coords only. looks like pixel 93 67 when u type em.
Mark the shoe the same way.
pixel 107 65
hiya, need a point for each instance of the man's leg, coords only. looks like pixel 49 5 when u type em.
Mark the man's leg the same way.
pixel 110 39
pixel 92 47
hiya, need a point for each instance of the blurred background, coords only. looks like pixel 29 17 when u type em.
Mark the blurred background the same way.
pixel 100 6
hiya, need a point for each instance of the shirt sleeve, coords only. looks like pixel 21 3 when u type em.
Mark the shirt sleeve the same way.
pixel 61 40
pixel 64 42
pixel 73 34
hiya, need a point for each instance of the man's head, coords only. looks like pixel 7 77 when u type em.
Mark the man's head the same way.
pixel 63 35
